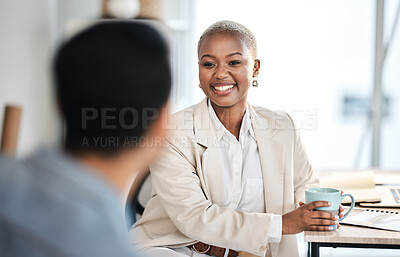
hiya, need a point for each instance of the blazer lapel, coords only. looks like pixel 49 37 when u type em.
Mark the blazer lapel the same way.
pixel 272 162
pixel 271 158
pixel 210 170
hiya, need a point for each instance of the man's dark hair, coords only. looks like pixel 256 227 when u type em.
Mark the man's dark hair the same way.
pixel 112 80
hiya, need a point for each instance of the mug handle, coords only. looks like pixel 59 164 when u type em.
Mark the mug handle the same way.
pixel 352 205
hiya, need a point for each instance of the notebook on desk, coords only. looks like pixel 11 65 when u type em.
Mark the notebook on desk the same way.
pixel 381 219
pixel 390 197
pixel 360 184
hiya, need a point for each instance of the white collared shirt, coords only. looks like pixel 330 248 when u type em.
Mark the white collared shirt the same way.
pixel 241 168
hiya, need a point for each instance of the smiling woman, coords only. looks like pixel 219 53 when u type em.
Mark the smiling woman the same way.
pixel 227 66
pixel 233 175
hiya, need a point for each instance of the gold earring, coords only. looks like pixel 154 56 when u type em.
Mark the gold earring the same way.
pixel 255 81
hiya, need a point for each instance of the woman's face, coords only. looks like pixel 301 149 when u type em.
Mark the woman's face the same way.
pixel 226 69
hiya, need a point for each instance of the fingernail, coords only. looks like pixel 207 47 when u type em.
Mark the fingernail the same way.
pixel 330 228
pixel 329 203
pixel 336 217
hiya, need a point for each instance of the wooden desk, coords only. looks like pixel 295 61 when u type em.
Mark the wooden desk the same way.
pixel 352 237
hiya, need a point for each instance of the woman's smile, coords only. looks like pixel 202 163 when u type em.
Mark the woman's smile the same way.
pixel 223 89
pixel 226 70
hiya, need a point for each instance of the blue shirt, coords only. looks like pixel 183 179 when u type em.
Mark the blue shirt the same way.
pixel 51 205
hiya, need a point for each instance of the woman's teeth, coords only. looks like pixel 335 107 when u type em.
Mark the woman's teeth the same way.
pixel 224 88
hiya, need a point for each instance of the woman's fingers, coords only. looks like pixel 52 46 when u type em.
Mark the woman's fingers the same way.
pixel 324 222
pixel 320 228
pixel 306 217
pixel 323 215
pixel 316 204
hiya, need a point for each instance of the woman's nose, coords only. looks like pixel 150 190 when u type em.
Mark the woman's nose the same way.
pixel 221 72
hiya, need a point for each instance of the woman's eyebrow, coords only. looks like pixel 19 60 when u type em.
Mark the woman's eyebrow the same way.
pixel 229 55
pixel 235 53
pixel 207 55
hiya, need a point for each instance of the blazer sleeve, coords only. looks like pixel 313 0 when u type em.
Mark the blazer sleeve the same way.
pixel 304 176
pixel 176 183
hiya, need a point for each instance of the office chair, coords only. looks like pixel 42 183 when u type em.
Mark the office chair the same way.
pixel 138 196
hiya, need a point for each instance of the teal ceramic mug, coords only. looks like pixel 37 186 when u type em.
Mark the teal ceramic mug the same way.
pixel 331 195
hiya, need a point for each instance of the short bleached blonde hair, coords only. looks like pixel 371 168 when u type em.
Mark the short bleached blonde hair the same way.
pixel 231 27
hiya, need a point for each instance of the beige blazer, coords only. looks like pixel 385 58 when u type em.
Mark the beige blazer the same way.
pixel 188 186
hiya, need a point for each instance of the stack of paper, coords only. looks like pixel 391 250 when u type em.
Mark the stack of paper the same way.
pixel 360 184
pixel 387 220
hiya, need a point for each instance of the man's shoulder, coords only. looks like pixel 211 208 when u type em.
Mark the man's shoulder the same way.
pixel 11 173
pixel 30 190
pixel 40 204
pixel 8 163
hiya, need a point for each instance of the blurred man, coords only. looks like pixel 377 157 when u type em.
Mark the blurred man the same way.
pixel 112 82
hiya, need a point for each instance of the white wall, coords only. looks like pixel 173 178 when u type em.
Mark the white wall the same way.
pixel 312 54
pixel 306 48
pixel 28 33
pixel 24 80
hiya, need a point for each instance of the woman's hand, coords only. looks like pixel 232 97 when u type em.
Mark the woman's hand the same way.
pixel 341 210
pixel 304 218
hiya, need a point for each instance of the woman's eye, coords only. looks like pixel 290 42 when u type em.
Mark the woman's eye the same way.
pixel 208 64
pixel 234 62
